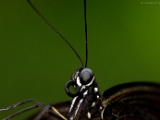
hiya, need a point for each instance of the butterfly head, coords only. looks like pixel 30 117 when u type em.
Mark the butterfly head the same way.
pixel 81 79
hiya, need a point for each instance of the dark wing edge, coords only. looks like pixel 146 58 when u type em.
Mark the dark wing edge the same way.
pixel 132 101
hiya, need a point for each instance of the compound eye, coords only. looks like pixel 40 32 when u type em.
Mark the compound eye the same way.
pixel 86 76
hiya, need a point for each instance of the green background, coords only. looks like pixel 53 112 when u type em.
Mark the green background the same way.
pixel 123 38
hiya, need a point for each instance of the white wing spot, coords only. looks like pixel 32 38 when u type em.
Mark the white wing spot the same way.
pixel 93 104
pixel 89 115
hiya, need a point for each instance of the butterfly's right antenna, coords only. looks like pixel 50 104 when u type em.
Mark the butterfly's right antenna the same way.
pixel 85 22
pixel 34 8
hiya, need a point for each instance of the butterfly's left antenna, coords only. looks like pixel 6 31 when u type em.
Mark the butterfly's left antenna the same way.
pixel 66 41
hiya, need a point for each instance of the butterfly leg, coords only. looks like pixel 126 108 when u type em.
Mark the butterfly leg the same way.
pixel 37 104
pixel 42 114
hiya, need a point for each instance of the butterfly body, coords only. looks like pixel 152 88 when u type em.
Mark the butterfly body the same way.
pixel 129 101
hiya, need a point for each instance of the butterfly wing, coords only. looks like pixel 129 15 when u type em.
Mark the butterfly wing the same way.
pixel 132 101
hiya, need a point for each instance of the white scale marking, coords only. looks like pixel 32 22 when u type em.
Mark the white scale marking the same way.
pixel 102 112
pixel 78 82
pixel 93 104
pixel 85 93
pixel 97 96
pixel 89 115
pixel 95 90
pixel 73 101
pixel 90 82
pixel 80 102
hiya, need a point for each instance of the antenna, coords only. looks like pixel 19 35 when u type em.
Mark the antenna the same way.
pixel 63 38
pixel 85 23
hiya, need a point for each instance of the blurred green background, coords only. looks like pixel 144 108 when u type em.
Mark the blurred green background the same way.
pixel 123 38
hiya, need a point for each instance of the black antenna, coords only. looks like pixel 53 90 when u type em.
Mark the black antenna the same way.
pixel 85 22
pixel 34 8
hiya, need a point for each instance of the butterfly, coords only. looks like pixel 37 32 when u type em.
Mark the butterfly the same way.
pixel 138 100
